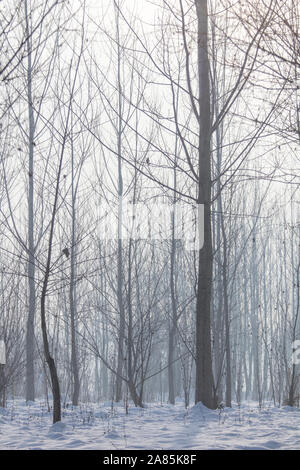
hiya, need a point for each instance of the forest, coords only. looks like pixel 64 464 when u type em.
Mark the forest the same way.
pixel 149 215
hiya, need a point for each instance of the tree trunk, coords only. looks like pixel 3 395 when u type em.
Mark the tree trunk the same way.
pixel 171 399
pixel 204 374
pixel 120 209
pixel 30 339
pixel 226 314
pixel 173 320
pixel 72 294
pixel 49 359
pixel 74 361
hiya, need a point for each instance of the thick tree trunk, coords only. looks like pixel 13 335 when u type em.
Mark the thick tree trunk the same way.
pixel 204 372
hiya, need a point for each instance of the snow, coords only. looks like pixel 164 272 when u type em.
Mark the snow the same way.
pixel 103 426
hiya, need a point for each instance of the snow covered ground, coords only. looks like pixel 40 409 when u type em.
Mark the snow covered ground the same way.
pixel 155 427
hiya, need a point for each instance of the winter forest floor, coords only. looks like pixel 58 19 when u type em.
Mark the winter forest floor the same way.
pixel 91 426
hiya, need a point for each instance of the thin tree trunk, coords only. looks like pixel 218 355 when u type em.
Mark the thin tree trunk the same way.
pixel 30 340
pixel 227 323
pixel 73 312
pixel 120 209
pixel 171 341
pixel 173 320
pixel 49 359
pixel 72 296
